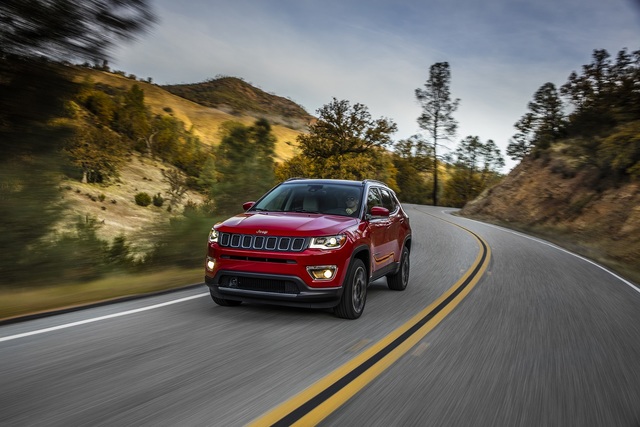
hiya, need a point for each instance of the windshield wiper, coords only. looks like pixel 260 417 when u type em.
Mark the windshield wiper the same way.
pixel 306 211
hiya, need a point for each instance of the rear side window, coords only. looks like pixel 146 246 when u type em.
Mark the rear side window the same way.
pixel 388 201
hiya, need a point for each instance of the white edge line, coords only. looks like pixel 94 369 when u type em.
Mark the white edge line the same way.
pixel 544 242
pixel 97 319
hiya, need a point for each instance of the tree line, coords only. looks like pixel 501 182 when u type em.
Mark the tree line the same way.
pixel 594 118
pixel 346 142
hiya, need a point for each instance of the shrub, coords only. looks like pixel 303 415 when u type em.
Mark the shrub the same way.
pixel 143 199
pixel 158 200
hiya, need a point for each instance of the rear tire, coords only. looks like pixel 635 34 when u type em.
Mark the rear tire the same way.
pixel 354 295
pixel 224 302
pixel 399 280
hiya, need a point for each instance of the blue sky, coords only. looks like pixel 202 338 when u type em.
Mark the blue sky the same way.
pixel 378 52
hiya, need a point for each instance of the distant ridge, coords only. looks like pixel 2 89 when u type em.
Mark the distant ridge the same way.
pixel 235 96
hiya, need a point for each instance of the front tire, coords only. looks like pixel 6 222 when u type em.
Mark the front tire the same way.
pixel 224 302
pixel 399 280
pixel 354 295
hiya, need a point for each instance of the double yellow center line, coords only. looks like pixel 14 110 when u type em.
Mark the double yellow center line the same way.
pixel 313 404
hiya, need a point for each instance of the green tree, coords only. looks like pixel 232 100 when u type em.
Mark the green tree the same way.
pixel 177 186
pixel 264 143
pixel 437 113
pixel 605 94
pixel 119 253
pixel 245 165
pixel 492 163
pixel 76 255
pixel 133 118
pixel 343 142
pixel 476 166
pixel 541 125
pixel 295 167
pixel 584 90
pixel 97 152
pixel 619 153
pixel 102 106
pixel 190 155
pixel 412 159
pixel 207 178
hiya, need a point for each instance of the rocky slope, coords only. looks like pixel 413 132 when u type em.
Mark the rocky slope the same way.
pixel 540 198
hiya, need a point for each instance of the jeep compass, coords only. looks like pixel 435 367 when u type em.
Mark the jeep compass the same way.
pixel 314 243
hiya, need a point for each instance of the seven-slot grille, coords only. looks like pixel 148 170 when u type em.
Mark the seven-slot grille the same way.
pixel 262 243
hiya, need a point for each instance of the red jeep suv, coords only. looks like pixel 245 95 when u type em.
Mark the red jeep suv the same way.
pixel 314 243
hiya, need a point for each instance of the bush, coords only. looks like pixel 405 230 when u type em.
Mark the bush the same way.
pixel 143 199
pixel 158 200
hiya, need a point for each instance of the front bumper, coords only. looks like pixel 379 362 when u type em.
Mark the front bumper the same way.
pixel 275 289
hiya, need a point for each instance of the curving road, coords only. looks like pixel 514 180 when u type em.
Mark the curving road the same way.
pixel 544 338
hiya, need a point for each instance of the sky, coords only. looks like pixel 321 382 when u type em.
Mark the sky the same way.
pixel 378 52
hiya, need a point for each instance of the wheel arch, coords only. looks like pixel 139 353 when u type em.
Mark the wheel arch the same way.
pixel 364 254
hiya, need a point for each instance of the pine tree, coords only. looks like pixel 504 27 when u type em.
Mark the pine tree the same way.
pixel 437 113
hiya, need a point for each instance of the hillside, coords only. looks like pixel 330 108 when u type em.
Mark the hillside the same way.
pixel 539 197
pixel 235 96
pixel 204 120
pixel 113 205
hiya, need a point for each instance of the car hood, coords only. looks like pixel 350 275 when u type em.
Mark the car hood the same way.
pixel 286 224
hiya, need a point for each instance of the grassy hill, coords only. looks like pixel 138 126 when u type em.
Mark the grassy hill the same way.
pixel 237 97
pixel 206 120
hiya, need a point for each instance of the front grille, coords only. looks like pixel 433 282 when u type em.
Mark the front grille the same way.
pixel 259 284
pixel 262 243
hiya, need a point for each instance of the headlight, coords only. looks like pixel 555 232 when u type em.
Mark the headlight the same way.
pixel 213 236
pixel 328 242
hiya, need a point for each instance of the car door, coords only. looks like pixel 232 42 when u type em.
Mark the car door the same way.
pixel 393 225
pixel 382 253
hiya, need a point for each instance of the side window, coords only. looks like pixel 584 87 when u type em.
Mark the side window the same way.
pixel 373 199
pixel 387 200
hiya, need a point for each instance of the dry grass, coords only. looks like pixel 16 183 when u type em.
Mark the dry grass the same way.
pixel 20 302
pixel 118 214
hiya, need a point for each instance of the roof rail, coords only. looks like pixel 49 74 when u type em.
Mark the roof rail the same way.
pixel 374 181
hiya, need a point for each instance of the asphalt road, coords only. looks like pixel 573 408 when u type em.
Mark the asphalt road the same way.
pixel 545 338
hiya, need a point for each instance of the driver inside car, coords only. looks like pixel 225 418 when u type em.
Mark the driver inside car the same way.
pixel 352 204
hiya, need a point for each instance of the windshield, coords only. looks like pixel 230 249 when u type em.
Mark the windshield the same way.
pixel 333 199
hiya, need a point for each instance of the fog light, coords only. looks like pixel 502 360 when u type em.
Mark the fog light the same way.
pixel 322 272
pixel 211 263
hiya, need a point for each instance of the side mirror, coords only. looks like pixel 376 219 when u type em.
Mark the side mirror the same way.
pixel 379 211
pixel 248 205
